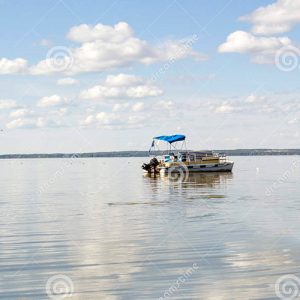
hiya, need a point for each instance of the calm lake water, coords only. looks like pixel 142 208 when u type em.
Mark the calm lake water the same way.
pixel 99 229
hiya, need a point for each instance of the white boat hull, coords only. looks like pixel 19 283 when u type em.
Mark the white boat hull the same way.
pixel 218 167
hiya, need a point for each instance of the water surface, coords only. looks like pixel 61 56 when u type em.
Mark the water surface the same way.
pixel 109 232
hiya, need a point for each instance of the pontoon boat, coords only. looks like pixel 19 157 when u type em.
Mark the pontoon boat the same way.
pixel 175 159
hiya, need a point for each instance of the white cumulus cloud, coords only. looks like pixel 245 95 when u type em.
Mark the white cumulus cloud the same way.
pixel 120 107
pixel 226 108
pixel 86 33
pixel 276 18
pixel 244 42
pixel 54 100
pixel 102 47
pixel 32 122
pixel 67 81
pixel 122 86
pixel 139 106
pixel 12 66
pixel 18 123
pixel 7 104
pixel 122 80
pixel 262 49
pixel 22 112
pixel 112 120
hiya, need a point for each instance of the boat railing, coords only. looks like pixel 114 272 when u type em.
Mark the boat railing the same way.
pixel 222 157
pixel 190 157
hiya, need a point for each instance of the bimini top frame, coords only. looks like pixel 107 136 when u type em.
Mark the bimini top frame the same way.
pixel 170 139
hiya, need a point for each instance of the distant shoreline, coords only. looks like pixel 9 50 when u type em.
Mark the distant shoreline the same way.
pixel 236 152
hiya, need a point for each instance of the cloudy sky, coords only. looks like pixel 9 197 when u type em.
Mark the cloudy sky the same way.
pixel 85 75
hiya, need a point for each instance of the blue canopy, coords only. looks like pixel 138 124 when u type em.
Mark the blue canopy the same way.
pixel 170 138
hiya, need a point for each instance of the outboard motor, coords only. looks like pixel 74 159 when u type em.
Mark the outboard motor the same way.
pixel 146 167
pixel 151 167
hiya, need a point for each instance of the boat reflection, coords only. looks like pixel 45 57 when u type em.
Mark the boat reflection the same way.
pixel 192 179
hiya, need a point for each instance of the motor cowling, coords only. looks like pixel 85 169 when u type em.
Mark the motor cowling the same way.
pixel 154 162
pixel 151 166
